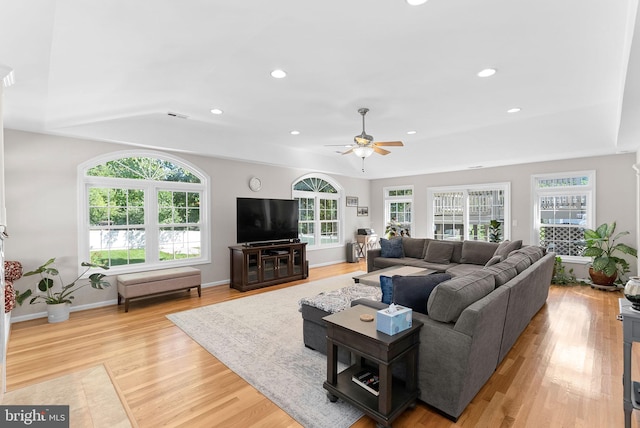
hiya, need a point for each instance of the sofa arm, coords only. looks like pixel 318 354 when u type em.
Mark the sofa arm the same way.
pixel 371 255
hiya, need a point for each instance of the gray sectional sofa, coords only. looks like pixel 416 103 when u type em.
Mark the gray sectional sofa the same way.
pixel 472 320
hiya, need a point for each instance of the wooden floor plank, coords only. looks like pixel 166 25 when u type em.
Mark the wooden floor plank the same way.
pixel 565 369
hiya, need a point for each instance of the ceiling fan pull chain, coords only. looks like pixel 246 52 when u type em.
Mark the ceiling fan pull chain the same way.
pixel 363 164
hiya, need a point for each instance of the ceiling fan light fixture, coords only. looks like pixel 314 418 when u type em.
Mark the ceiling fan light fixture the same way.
pixel 216 111
pixel 416 2
pixel 363 152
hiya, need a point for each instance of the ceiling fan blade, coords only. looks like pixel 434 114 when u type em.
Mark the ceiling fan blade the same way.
pixel 380 151
pixel 348 151
pixel 388 143
pixel 339 145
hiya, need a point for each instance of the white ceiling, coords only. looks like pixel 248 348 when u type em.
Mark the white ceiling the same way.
pixel 112 70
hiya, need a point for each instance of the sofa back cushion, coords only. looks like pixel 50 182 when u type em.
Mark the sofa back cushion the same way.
pixel 506 247
pixel 414 291
pixel 413 247
pixel 439 252
pixel 503 272
pixel 534 252
pixel 450 298
pixel 518 260
pixel 477 252
pixel 391 248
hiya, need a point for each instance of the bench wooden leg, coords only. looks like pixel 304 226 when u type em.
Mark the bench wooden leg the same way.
pixel 126 305
pixel 199 291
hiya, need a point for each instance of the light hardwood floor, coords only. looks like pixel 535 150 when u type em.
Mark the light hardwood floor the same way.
pixel 564 371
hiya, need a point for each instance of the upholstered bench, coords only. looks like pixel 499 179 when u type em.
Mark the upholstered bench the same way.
pixel 145 284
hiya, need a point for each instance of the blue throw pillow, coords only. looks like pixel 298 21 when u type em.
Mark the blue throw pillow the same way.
pixel 414 291
pixel 386 285
pixel 391 248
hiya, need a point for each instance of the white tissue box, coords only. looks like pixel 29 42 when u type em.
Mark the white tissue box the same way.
pixel 394 323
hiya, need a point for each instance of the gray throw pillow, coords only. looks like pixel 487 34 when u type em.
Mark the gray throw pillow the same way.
pixel 391 248
pixel 439 252
pixel 507 247
pixel 414 291
pixel 495 260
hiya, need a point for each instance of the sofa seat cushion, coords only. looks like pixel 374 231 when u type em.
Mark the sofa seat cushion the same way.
pixel 477 252
pixel 503 272
pixel 414 291
pixel 450 298
pixel 391 248
pixel 413 247
pixel 462 270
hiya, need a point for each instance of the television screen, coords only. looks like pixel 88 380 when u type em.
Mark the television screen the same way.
pixel 262 220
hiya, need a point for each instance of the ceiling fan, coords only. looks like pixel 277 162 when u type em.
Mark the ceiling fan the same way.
pixel 364 146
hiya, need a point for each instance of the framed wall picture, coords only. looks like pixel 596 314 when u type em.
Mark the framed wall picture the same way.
pixel 352 201
pixel 363 211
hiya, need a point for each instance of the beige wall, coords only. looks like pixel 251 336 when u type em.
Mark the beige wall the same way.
pixel 41 183
pixel 615 193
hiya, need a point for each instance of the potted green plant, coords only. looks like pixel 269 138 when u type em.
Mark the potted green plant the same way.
pixel 58 302
pixel 495 233
pixel 560 274
pixel 601 246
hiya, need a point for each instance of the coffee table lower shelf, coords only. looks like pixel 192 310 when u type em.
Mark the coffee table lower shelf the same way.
pixel 347 390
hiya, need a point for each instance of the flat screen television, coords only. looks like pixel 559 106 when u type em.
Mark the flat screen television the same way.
pixel 266 220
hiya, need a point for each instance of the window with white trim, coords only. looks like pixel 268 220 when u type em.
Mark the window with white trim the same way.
pixel 320 211
pixel 140 210
pixel 398 211
pixel 465 212
pixel 564 205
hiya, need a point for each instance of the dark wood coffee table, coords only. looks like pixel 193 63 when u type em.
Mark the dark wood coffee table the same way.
pixel 345 329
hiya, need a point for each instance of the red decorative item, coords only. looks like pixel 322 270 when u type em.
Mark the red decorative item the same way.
pixel 12 272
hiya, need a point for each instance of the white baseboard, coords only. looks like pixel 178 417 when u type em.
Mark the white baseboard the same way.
pixel 95 305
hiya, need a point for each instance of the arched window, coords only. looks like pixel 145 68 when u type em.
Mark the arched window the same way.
pixel 320 210
pixel 142 209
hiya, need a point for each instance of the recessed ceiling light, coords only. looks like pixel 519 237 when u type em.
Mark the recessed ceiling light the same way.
pixel 278 74
pixel 513 110
pixel 411 132
pixel 416 2
pixel 487 72
pixel 216 111
pixel 294 132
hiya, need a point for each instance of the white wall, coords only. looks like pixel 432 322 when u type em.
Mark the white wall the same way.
pixel 41 181
pixel 615 194
pixel 40 176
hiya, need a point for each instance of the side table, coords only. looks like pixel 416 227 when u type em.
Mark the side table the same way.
pixel 631 333
pixel 346 330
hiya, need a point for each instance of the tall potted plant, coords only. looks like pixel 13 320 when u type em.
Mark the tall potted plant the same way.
pixel 601 246
pixel 58 302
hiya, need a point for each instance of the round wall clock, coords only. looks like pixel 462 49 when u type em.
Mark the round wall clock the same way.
pixel 255 184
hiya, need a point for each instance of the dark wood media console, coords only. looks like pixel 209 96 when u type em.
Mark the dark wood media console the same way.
pixel 267 264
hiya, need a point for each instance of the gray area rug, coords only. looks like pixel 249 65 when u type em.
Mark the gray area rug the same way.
pixel 260 338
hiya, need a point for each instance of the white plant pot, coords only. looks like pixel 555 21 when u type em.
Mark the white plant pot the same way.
pixel 58 312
